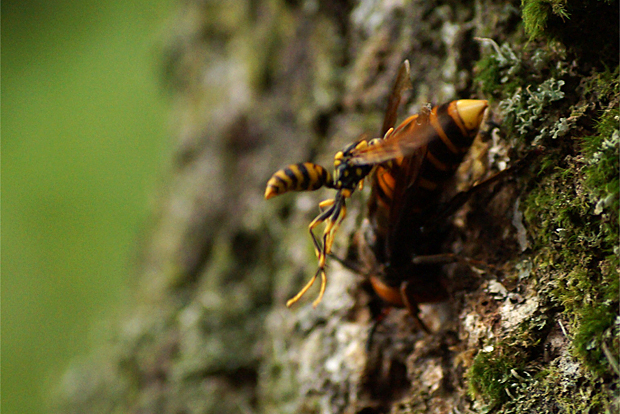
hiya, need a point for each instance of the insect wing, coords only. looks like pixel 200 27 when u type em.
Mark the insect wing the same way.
pixel 415 132
pixel 401 84
pixel 401 212
pixel 388 199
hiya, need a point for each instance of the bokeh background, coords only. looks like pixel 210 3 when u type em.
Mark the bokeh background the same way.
pixel 84 139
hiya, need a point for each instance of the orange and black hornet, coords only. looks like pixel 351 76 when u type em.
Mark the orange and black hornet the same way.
pixel 411 164
pixel 406 209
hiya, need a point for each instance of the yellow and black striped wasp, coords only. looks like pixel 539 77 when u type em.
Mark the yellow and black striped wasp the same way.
pixel 411 164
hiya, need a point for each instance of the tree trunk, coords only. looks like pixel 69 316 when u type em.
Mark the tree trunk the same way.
pixel 531 327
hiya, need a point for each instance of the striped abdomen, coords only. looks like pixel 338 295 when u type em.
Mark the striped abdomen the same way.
pixel 449 130
pixel 406 190
pixel 304 176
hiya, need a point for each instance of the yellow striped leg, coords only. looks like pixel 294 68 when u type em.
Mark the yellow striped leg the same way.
pixel 324 215
pixel 295 298
pixel 320 253
pixel 332 216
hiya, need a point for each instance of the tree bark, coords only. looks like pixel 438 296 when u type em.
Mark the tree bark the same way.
pixel 259 85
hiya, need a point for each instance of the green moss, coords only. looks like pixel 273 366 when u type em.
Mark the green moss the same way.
pixel 570 204
pixel 597 331
pixel 507 373
pixel 509 380
pixel 494 373
pixel 571 212
pixel 583 26
pixel 603 85
pixel 550 391
pixel 536 14
pixel 602 152
pixel 572 215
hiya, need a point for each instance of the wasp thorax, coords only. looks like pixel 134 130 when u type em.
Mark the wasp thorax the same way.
pixel 346 174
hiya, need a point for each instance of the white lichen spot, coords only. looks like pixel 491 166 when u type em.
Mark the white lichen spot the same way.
pixel 560 128
pixel 497 290
pixel 603 203
pixel 432 376
pixel 369 15
pixel 517 222
pixel 487 349
pixel 351 357
pixel 506 59
pixel 497 152
pixel 514 314
pixel 524 269
pixel 448 89
pixel 476 331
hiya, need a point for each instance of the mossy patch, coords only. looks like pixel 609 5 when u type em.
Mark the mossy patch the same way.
pixel 536 14
pixel 494 373
pixel 570 205
pixel 583 26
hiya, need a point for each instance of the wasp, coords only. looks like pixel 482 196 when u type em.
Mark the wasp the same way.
pixel 411 164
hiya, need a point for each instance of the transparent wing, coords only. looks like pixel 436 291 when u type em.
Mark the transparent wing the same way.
pixel 401 84
pixel 415 132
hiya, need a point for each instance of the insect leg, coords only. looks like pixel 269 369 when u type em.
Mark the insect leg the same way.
pixel 339 213
pixel 446 258
pixel 326 203
pixel 332 217
pixel 323 216
pixel 320 251
pixel 462 197
pixel 443 258
pixel 320 254
pixel 323 285
pixel 375 325
pixel 295 298
pixel 412 306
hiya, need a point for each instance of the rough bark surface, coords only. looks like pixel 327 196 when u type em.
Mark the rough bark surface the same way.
pixel 261 84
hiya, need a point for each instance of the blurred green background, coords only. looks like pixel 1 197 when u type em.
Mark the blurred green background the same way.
pixel 84 140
